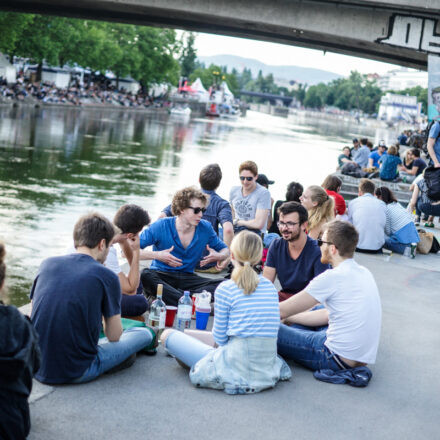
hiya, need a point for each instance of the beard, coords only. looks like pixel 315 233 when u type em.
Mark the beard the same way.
pixel 292 236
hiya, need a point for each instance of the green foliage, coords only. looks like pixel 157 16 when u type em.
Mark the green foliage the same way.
pixel 189 55
pixel 146 54
pixel 215 75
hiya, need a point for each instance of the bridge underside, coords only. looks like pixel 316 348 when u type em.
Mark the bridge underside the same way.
pixel 393 31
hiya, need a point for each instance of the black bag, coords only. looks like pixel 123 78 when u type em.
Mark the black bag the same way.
pixel 425 135
pixel 435 246
pixel 432 179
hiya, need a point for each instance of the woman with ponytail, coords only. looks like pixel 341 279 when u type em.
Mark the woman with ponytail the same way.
pixel 246 323
pixel 321 209
pixel 19 359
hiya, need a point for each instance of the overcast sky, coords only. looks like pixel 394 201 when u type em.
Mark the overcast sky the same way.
pixel 280 54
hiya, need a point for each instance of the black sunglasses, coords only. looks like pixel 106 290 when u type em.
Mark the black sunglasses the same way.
pixel 321 242
pixel 248 178
pixel 197 210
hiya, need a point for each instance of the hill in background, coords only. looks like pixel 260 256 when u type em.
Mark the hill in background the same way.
pixel 282 74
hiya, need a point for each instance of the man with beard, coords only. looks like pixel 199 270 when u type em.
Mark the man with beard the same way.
pixel 294 257
pixel 345 333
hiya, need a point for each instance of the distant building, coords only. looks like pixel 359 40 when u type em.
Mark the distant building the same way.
pixel 394 108
pixel 401 79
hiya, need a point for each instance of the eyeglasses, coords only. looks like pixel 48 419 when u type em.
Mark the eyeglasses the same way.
pixel 288 225
pixel 197 210
pixel 248 178
pixel 321 242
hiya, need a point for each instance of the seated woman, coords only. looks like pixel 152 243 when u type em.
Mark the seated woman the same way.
pixel 409 172
pixel 321 209
pixel 294 192
pixel 423 204
pixel 332 185
pixel 19 360
pixel 389 162
pixel 399 227
pixel 246 323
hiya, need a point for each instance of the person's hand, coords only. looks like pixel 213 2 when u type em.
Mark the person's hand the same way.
pixel 437 165
pixel 166 257
pixel 222 265
pixel 134 243
pixel 212 257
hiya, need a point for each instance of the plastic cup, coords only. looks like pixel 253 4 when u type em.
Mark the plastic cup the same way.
pixel 193 313
pixel 202 316
pixel 171 314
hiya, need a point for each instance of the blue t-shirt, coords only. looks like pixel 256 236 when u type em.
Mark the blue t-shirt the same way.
pixel 294 275
pixel 163 234
pixel 69 297
pixel 435 133
pixel 217 212
pixel 388 169
pixel 375 156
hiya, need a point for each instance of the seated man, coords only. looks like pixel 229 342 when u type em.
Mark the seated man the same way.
pixel 294 257
pixel 178 243
pixel 352 310
pixel 373 158
pixel 250 202
pixel 368 215
pixel 344 157
pixel 70 295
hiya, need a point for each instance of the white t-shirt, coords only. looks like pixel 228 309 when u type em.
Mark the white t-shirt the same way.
pixel 111 261
pixel 245 207
pixel 350 295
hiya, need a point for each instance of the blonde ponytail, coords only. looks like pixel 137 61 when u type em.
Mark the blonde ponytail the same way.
pixel 247 249
pixel 324 211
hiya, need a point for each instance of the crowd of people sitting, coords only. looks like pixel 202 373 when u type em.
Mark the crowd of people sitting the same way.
pixel 98 92
pixel 326 315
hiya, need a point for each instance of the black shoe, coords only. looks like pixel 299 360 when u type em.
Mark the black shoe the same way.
pixel 123 365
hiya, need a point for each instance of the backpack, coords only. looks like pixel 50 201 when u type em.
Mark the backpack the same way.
pixel 432 179
pixel 425 135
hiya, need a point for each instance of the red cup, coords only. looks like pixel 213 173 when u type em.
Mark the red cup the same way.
pixel 171 314
pixel 193 313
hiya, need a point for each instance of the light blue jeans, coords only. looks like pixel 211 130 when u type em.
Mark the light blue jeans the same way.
pixel 187 349
pixel 111 354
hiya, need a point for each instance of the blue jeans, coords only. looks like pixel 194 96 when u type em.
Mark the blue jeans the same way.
pixel 187 349
pixel 305 345
pixel 394 245
pixel 111 354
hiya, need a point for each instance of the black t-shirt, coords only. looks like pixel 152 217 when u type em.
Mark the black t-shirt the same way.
pixel 70 295
pixel 274 227
pixel 420 164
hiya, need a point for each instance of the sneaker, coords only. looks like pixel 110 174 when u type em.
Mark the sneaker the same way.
pixel 429 225
pixel 417 220
pixel 413 250
pixel 123 365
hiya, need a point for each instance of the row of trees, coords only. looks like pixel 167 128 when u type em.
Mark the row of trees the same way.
pixel 149 55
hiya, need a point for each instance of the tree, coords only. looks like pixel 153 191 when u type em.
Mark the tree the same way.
pixel 188 56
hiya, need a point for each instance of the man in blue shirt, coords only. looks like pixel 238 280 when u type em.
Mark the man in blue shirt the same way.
pixel 373 158
pixel 70 296
pixel 294 257
pixel 360 155
pixel 434 144
pixel 178 243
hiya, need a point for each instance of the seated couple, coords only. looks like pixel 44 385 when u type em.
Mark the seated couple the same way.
pixel 73 297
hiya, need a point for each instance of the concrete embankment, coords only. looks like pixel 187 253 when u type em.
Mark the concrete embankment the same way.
pixel 154 398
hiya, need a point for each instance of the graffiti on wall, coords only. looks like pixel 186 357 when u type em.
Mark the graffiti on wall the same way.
pixel 411 32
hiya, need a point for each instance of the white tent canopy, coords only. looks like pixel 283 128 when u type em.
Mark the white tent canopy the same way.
pixel 201 92
pixel 7 70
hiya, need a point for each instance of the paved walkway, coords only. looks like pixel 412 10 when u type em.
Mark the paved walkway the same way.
pixel 154 398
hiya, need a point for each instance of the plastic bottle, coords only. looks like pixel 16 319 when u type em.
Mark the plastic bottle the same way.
pixel 158 311
pixel 184 310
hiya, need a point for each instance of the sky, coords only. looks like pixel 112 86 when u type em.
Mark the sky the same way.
pixel 280 54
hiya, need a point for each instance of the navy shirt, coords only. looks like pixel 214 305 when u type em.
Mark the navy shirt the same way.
pixel 70 295
pixel 162 234
pixel 420 164
pixel 218 210
pixel 294 275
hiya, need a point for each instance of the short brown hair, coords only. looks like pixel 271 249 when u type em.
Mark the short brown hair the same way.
pixel 249 165
pixel 393 150
pixel 366 186
pixel 332 183
pixel 91 228
pixel 210 177
pixel 182 199
pixel 343 235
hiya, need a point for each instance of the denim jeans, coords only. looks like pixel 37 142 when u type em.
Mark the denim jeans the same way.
pixel 305 345
pixel 111 354
pixel 394 245
pixel 187 349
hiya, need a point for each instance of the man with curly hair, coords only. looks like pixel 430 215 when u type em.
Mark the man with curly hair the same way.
pixel 178 244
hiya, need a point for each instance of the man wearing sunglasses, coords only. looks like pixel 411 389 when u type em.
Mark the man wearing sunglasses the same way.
pixel 345 333
pixel 178 244
pixel 294 257
pixel 250 202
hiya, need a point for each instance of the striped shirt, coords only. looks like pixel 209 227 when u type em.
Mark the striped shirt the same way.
pixel 244 316
pixel 397 218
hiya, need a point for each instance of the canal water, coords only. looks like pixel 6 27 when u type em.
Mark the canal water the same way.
pixel 57 164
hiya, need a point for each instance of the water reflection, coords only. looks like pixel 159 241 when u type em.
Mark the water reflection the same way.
pixel 56 164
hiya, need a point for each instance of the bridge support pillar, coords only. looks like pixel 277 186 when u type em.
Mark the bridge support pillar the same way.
pixel 433 86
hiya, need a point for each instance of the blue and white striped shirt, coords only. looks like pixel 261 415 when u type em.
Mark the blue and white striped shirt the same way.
pixel 244 316
pixel 397 218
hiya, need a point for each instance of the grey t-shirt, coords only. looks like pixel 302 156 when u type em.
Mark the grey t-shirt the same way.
pixel 246 207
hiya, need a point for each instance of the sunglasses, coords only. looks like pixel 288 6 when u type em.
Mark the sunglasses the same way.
pixel 197 210
pixel 321 242
pixel 248 178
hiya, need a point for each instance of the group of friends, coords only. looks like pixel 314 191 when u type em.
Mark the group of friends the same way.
pixel 325 315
